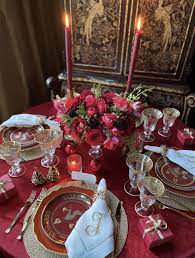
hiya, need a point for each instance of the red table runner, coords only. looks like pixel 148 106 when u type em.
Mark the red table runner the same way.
pixel 115 172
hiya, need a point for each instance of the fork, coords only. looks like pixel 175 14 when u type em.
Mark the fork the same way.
pixel 41 196
pixel 28 203
pixel 162 206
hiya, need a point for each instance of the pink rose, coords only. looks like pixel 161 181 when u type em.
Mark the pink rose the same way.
pixel 112 143
pixel 85 93
pixel 137 107
pixel 121 103
pixel 108 120
pixel 108 96
pixel 115 131
pixel 90 101
pixel 101 106
pixel 91 111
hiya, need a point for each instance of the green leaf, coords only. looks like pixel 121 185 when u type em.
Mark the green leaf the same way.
pixel 81 111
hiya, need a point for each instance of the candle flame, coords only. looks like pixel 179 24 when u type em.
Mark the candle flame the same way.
pixel 73 162
pixel 67 21
pixel 139 24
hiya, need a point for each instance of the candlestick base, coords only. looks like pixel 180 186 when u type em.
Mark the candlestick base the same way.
pixel 69 93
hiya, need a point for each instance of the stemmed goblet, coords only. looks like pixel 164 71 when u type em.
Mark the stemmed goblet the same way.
pixel 10 151
pixel 150 117
pixel 139 165
pixel 49 140
pixel 150 189
pixel 169 117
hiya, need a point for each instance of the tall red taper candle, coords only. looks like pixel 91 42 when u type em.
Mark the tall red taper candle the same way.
pixel 134 54
pixel 68 47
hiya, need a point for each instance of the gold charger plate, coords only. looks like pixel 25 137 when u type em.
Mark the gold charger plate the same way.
pixel 35 248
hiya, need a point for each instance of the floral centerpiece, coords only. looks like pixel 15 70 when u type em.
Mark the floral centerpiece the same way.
pixel 102 118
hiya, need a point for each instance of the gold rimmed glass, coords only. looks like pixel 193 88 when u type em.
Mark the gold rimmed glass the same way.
pixel 139 165
pixel 49 140
pixel 10 151
pixel 169 117
pixel 150 189
pixel 150 117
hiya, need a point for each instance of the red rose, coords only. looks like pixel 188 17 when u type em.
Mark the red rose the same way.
pixel 101 106
pixel 71 103
pixel 108 96
pixel 94 137
pixel 108 120
pixel 112 143
pixel 121 103
pixel 78 124
pixel 90 101
pixel 85 93
pixel 66 129
pixel 91 111
pixel 76 136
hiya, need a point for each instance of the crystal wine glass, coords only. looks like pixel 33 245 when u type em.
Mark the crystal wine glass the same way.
pixel 49 140
pixel 150 189
pixel 10 151
pixel 170 115
pixel 150 117
pixel 139 165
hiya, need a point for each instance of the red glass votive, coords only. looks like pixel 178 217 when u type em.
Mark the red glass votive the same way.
pixel 74 163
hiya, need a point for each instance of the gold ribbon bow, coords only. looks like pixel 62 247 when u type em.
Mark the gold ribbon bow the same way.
pixel 3 189
pixel 99 195
pixel 156 226
pixel 188 132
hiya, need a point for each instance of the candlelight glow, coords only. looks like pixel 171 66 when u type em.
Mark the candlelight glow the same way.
pixel 67 21
pixel 139 24
pixel 73 163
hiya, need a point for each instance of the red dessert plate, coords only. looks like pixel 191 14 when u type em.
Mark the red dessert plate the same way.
pixel 174 175
pixel 182 186
pixel 58 214
pixel 23 135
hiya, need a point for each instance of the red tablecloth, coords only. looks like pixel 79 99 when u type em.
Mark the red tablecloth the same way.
pixel 116 173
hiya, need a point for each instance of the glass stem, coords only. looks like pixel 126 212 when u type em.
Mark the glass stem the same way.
pixel 16 167
pixel 166 128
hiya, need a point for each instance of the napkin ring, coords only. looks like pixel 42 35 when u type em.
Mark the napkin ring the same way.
pixel 163 150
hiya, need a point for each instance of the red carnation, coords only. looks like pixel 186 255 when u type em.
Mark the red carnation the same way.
pixel 71 103
pixel 85 93
pixel 101 106
pixel 108 120
pixel 91 111
pixel 90 101
pixel 94 137
pixel 121 103
pixel 108 96
pixel 112 143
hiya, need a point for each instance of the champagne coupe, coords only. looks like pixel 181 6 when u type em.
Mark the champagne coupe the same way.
pixel 150 117
pixel 10 151
pixel 139 165
pixel 170 115
pixel 49 140
pixel 150 189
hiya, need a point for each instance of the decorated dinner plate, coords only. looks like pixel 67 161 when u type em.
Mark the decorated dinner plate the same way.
pixel 23 135
pixel 174 175
pixel 184 189
pixel 61 214
pixel 57 215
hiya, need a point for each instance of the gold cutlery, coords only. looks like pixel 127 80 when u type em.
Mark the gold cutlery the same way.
pixel 28 203
pixel 162 206
pixel 118 219
pixel 41 196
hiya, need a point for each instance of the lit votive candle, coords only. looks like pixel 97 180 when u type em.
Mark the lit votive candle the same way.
pixel 74 163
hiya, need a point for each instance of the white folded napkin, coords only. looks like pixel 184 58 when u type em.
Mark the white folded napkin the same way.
pixel 28 120
pixel 92 236
pixel 184 158
pixel 86 177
